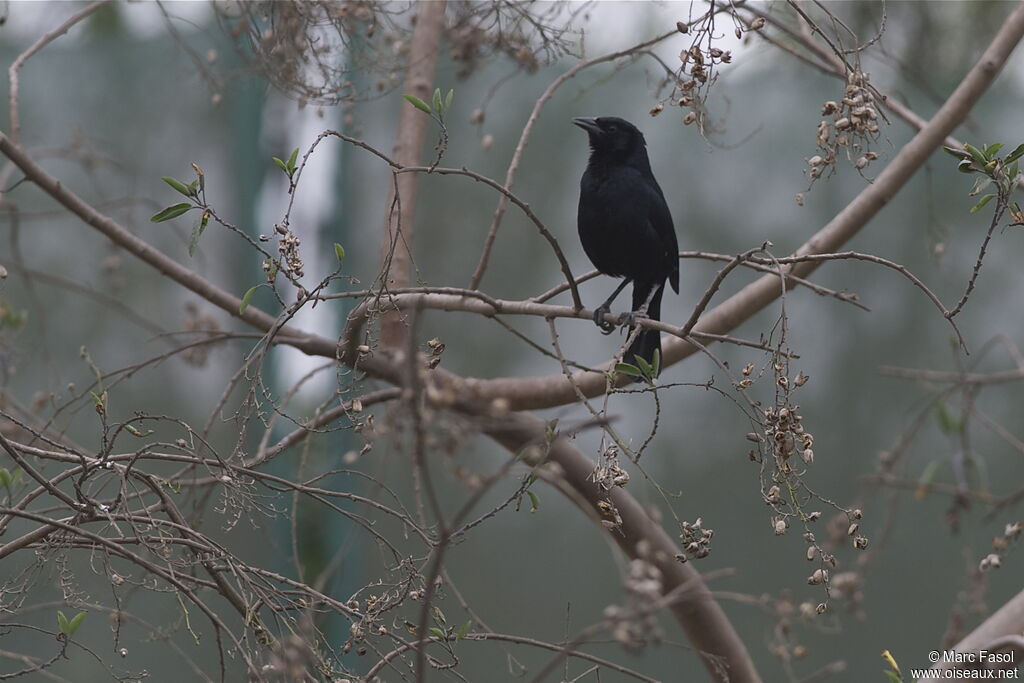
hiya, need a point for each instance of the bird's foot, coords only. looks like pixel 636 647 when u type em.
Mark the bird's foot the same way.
pixel 599 320
pixel 629 318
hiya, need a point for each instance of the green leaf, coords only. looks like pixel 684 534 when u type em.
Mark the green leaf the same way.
pixel 339 251
pixel 171 212
pixel 984 200
pixel 280 164
pixel 178 185
pixel 437 100
pixel 534 501
pixel 193 188
pixel 958 153
pixel 992 149
pixel 197 232
pixel 966 166
pixel 448 100
pixel 645 367
pixel 893 676
pixel 418 103
pixel 246 298
pixel 1017 153
pixel 463 630
pixel 976 154
pixel 5 477
pixel 292 160
pixel 75 622
pixel 16 477
pixel 628 369
pixel 656 365
pixel 947 423
pixel 62 623
pixel 439 616
pixel 437 633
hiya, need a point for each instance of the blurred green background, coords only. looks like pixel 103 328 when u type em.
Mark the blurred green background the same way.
pixel 119 102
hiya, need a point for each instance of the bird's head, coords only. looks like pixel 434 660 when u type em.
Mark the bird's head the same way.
pixel 611 135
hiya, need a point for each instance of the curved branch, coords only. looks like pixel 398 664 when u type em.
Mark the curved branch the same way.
pixel 700 616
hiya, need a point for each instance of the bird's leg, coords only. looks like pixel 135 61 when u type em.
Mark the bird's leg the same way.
pixel 606 307
pixel 629 318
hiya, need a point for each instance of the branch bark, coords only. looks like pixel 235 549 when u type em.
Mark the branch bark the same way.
pixel 702 619
pixel 400 210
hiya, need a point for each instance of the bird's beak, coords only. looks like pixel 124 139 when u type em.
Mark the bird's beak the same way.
pixel 588 123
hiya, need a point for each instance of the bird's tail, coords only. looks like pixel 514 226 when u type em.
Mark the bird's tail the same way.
pixel 647 341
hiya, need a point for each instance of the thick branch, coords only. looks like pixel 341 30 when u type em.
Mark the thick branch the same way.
pixel 700 616
pixel 400 210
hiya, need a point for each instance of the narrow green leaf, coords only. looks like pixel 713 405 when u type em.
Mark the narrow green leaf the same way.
pixel 193 188
pixel 437 100
pixel 439 616
pixel 1017 153
pixel 201 177
pixel 339 251
pixel 976 154
pixel 966 166
pixel 246 298
pixel 177 185
pixel 992 149
pixel 448 100
pixel 437 633
pixel 16 477
pixel 534 501
pixel 657 363
pixel 893 676
pixel 627 369
pixel 463 630
pixel 5 477
pixel 62 622
pixel 984 200
pixel 292 160
pixel 958 153
pixel 418 103
pixel 170 212
pixel 75 622
pixel 929 472
pixel 280 164
pixel 197 232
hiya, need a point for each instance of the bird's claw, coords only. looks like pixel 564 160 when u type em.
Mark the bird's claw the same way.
pixel 599 320
pixel 629 318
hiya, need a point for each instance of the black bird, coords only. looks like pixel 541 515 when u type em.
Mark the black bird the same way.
pixel 625 225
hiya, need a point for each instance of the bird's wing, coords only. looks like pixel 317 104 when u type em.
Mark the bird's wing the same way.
pixel 660 219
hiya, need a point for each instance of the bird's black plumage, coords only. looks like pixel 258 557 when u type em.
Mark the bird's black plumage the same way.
pixel 625 225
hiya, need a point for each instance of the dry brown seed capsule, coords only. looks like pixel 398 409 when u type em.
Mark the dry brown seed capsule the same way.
pixel 689 118
pixel 843 123
pixel 811 552
pixel 821 608
pixel 857 514
pixel 819 577
pixel 757 24
pixel 747 369
pixel 656 109
pixel 682 28
pixel 861 163
pixel 853 529
pixel 860 543
pixel 779 525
